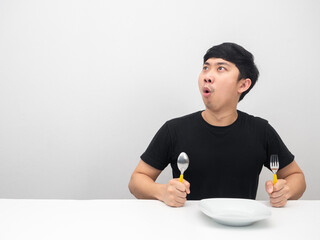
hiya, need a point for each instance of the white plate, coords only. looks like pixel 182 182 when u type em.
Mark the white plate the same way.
pixel 234 211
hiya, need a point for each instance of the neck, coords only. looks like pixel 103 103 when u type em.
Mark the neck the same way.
pixel 220 119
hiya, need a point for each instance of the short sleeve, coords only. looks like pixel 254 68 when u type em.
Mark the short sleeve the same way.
pixel 276 146
pixel 159 150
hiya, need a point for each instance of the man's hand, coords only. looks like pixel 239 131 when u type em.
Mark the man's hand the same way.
pixel 176 192
pixel 278 193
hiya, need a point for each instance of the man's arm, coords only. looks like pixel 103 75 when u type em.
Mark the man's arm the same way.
pixel 290 186
pixel 142 185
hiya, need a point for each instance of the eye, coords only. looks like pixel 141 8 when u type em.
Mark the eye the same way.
pixel 205 68
pixel 221 68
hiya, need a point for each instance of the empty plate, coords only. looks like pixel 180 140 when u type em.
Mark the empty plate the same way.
pixel 234 211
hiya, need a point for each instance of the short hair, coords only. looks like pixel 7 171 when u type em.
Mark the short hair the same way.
pixel 239 56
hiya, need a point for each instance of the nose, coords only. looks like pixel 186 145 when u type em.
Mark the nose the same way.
pixel 208 80
pixel 208 77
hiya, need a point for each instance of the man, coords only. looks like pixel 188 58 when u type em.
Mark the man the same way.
pixel 226 147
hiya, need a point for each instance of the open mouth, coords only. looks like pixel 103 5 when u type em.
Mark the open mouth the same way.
pixel 206 91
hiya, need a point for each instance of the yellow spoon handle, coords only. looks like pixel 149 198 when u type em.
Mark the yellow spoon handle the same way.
pixel 275 179
pixel 181 178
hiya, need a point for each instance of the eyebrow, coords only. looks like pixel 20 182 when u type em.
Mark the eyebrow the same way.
pixel 217 64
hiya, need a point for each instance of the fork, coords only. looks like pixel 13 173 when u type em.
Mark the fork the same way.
pixel 274 165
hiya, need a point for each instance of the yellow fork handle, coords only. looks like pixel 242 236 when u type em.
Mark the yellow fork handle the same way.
pixel 275 179
pixel 181 178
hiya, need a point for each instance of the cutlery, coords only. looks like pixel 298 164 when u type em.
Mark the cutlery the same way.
pixel 183 163
pixel 274 165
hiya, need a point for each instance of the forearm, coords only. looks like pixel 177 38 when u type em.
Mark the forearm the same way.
pixel 297 185
pixel 143 187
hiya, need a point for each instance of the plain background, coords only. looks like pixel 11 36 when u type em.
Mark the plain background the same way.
pixel 85 85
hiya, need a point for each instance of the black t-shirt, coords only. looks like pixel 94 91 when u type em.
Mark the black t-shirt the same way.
pixel 224 161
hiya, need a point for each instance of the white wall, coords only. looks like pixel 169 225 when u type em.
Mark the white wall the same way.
pixel 84 85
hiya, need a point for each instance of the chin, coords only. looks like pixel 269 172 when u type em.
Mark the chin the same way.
pixel 209 105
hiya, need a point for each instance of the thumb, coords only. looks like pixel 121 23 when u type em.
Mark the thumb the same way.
pixel 269 186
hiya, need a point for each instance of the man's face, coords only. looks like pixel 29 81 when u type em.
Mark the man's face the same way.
pixel 218 84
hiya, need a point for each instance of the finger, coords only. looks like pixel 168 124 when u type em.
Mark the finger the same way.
pixel 277 197
pixel 176 184
pixel 279 185
pixel 269 187
pixel 277 194
pixel 187 185
pixel 175 201
pixel 178 202
pixel 173 189
pixel 180 186
pixel 280 203
pixel 281 193
pixel 180 194
pixel 175 204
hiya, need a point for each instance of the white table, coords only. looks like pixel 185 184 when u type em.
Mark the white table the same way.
pixel 146 219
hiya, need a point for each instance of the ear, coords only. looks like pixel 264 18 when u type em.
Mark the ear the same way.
pixel 243 85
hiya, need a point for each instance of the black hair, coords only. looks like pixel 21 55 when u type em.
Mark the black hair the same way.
pixel 239 56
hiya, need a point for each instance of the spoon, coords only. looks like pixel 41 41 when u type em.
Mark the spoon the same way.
pixel 183 163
